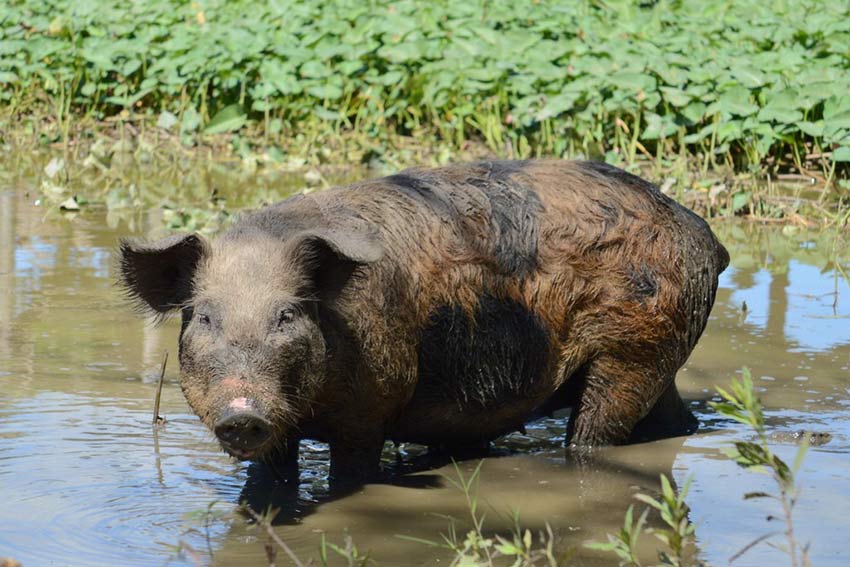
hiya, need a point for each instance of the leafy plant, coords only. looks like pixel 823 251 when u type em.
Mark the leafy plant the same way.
pixel 477 549
pixel 746 85
pixel 741 404
pixel 625 542
pixel 677 538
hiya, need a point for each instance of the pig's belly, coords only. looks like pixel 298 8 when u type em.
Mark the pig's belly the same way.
pixel 478 378
pixel 434 423
pixel 448 426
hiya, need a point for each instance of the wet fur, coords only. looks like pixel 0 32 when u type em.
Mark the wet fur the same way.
pixel 457 303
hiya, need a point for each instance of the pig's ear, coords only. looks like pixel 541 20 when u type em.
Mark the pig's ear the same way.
pixel 158 275
pixel 330 257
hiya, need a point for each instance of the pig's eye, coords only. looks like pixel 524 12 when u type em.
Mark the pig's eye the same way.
pixel 286 316
pixel 203 319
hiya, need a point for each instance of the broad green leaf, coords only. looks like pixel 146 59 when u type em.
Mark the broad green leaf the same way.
pixel 633 82
pixel 814 129
pixel 130 67
pixel 126 100
pixel 694 112
pixel 325 91
pixel 740 200
pixel 285 83
pixel 191 120
pixel 228 119
pixel 658 127
pixel 676 97
pixel 748 76
pixel 703 133
pixel 780 114
pixel 834 134
pixel 315 70
pixel 737 101
pixel 326 114
pixel 841 154
pixel 837 120
pixel 836 106
pixel 390 78
pixel 730 130
pixel 557 105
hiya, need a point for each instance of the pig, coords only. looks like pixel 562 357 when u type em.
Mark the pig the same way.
pixel 444 307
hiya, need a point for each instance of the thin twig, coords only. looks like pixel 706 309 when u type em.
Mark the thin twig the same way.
pixel 796 177
pixel 787 508
pixel 269 530
pixel 192 553
pixel 207 533
pixel 271 553
pixel 751 545
pixel 819 177
pixel 158 419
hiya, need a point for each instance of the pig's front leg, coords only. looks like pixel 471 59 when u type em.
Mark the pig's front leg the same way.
pixel 284 460
pixel 356 456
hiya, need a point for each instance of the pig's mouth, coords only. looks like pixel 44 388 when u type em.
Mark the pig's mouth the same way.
pixel 240 454
pixel 243 433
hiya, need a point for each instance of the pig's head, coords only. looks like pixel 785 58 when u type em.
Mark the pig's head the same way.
pixel 252 347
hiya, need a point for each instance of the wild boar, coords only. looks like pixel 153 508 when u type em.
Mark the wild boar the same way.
pixel 442 307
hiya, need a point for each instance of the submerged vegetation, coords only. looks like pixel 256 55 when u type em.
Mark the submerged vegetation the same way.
pixel 749 89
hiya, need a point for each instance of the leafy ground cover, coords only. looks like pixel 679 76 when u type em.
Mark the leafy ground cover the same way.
pixel 759 88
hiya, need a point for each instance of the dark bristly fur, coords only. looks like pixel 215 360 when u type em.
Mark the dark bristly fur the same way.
pixel 480 362
pixel 444 307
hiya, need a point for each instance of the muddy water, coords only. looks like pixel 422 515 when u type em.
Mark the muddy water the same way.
pixel 85 481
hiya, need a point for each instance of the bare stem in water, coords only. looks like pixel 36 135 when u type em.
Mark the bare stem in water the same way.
pixel 267 525
pixel 158 419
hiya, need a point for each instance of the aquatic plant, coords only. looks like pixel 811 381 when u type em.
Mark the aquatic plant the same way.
pixel 741 404
pixel 677 537
pixel 476 548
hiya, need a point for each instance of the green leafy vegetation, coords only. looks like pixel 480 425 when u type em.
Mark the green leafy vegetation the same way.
pixel 477 548
pixel 749 86
pixel 741 404
pixel 677 536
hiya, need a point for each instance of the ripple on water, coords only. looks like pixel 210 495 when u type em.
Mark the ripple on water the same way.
pixel 83 482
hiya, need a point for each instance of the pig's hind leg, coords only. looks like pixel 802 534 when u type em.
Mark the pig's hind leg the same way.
pixel 669 417
pixel 615 396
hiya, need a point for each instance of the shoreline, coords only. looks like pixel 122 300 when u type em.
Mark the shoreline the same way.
pixel 132 151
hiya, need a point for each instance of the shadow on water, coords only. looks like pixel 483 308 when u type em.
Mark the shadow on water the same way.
pixel 265 490
pixel 571 493
pixel 294 499
pixel 85 482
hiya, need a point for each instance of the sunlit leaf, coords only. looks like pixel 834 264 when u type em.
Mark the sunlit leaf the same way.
pixel 228 119
pixel 841 154
pixel 738 101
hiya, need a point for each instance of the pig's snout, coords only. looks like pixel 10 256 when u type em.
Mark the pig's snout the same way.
pixel 241 432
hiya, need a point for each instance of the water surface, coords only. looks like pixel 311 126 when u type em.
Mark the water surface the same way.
pixel 84 480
